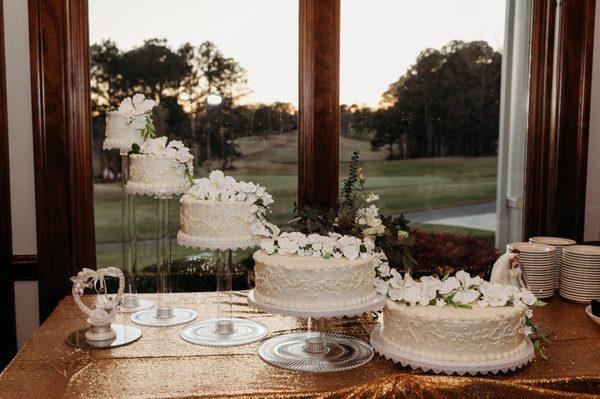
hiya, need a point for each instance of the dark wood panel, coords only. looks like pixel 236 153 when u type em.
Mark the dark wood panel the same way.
pixel 24 267
pixel 559 119
pixel 60 102
pixel 318 145
pixel 8 335
pixel 574 66
pixel 541 141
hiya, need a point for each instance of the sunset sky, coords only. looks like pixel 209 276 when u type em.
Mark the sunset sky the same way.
pixel 380 39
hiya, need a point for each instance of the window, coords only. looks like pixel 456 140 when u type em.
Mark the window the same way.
pixel 241 118
pixel 421 94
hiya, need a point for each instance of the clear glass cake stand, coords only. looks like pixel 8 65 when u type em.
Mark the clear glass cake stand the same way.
pixel 224 330
pixel 164 313
pixel 316 350
pixel 131 301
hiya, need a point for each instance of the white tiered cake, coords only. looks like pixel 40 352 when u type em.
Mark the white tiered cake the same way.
pixel 160 169
pixel 313 272
pixel 126 125
pixel 219 212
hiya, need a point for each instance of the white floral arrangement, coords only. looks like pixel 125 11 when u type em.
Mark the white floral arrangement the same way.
pixel 220 188
pixel 175 149
pixel 138 110
pixel 332 245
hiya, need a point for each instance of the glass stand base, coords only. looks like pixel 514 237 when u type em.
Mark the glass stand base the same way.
pixel 149 317
pixel 142 304
pixel 243 331
pixel 289 351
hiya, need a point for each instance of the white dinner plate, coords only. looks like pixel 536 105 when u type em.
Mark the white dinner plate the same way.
pixel 583 250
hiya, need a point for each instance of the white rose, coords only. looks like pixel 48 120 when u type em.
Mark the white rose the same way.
pixel 449 285
pixel 141 104
pixel 268 245
pixel 527 297
pixel 351 251
pixel 412 294
pixel 381 285
pixel 466 297
pixel 126 107
pixel 493 294
pixel 384 269
pixel 287 245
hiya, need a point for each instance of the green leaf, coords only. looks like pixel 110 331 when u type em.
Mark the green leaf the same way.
pixel 539 303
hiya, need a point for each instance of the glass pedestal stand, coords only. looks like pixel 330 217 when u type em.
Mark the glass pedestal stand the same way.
pixel 131 302
pixel 164 314
pixel 225 330
pixel 316 350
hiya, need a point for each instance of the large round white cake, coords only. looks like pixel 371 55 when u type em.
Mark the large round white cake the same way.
pixel 219 212
pixel 125 125
pixel 455 334
pixel 307 282
pixel 160 169
pixel 298 271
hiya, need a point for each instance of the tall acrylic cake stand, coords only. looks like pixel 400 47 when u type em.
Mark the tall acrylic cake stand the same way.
pixel 131 302
pixel 316 350
pixel 164 314
pixel 225 330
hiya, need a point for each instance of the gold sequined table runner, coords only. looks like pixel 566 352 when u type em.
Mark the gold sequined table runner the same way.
pixel 161 365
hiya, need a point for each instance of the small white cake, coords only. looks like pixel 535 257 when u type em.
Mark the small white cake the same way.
pixel 455 319
pixel 455 334
pixel 219 212
pixel 297 271
pixel 125 126
pixel 160 169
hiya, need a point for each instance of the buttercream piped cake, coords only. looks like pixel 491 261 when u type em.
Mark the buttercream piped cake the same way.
pixel 299 271
pixel 130 123
pixel 158 168
pixel 219 212
pixel 455 319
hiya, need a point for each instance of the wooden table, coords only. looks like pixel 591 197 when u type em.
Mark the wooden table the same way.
pixel 161 365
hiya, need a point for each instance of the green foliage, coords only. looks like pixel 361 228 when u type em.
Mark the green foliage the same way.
pixel 351 184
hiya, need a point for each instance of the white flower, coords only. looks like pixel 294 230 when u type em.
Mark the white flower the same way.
pixel 395 294
pixel 440 303
pixel 493 294
pixel 412 294
pixel 374 231
pixel 139 122
pixel 258 229
pixel 384 269
pixel 527 297
pixel 141 105
pixel 466 297
pixel 402 234
pixel 381 285
pixel 286 244
pixel 372 197
pixel 528 330
pixel 466 280
pixel 449 285
pixel 351 251
pixel 268 245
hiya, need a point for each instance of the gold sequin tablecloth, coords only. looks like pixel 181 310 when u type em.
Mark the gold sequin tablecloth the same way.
pixel 161 365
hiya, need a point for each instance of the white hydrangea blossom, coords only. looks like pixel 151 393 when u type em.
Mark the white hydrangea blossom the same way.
pixel 220 188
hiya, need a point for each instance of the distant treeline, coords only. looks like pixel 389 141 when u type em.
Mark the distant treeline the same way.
pixel 447 103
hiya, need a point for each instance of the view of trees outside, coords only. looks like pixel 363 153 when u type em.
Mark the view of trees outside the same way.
pixel 428 145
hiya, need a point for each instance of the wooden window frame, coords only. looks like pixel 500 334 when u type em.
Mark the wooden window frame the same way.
pixel 60 88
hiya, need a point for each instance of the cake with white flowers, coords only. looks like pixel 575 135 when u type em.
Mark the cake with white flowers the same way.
pixel 130 123
pixel 455 319
pixel 219 212
pixel 298 271
pixel 159 168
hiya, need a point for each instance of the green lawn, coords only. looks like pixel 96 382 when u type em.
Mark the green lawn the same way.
pixel 404 185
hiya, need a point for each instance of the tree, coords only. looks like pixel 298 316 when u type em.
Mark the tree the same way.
pixel 447 103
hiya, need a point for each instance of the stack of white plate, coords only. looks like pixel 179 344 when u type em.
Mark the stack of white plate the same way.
pixel 559 244
pixel 539 266
pixel 580 274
